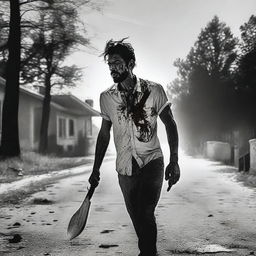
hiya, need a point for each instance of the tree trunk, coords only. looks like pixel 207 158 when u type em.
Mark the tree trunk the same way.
pixel 43 143
pixel 10 130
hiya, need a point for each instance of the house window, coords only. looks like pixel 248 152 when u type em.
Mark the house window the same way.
pixel 71 128
pixel 62 127
pixel 66 128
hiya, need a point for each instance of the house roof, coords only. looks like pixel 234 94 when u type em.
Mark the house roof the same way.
pixel 69 101
pixel 66 102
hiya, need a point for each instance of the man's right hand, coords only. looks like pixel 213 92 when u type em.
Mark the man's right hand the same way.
pixel 94 178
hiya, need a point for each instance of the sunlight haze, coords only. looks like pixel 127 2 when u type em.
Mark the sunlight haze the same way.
pixel 160 32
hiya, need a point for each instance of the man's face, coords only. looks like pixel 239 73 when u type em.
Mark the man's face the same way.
pixel 118 68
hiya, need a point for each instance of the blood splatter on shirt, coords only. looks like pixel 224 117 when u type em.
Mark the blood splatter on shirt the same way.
pixel 134 118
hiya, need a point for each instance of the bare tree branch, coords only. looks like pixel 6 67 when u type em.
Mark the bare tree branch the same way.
pixel 24 12
pixel 28 2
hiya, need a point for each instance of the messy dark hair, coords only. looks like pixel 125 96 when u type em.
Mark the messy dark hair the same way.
pixel 125 50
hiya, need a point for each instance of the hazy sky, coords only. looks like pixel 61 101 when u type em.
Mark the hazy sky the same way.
pixel 159 30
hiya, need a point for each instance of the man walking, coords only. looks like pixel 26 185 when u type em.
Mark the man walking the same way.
pixel 132 106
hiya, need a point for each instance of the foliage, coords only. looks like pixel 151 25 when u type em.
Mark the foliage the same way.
pixel 49 32
pixel 245 75
pixel 53 40
pixel 247 61
pixel 213 53
pixel 55 37
pixel 248 35
pixel 204 95
pixel 4 31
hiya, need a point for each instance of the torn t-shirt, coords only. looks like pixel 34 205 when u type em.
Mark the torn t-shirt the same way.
pixel 134 119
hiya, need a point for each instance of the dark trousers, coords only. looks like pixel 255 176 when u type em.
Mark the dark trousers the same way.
pixel 141 193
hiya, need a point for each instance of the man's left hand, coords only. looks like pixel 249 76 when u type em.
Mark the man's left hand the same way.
pixel 172 174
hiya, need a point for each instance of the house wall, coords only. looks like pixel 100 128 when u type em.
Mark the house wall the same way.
pixel 86 142
pixel 26 116
pixel 52 132
pixel 82 143
pixel 56 145
pixel 37 124
pixel 52 129
pixel 81 147
pixel 70 145
pixel 89 138
pixel 27 105
pixel 30 112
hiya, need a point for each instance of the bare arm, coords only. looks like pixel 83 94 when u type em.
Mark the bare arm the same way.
pixel 172 172
pixel 172 132
pixel 101 148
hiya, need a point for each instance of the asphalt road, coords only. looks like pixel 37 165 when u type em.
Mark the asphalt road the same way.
pixel 207 213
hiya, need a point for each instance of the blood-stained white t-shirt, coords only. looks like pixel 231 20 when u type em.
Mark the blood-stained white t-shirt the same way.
pixel 134 120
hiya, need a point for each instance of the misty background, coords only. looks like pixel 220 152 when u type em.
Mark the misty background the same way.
pixel 202 52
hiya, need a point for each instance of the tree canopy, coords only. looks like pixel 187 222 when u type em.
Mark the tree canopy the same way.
pixel 47 32
pixel 203 87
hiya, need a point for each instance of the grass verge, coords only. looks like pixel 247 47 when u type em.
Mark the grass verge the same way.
pixel 31 163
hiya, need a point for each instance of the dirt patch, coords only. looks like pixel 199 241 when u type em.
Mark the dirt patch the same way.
pixel 42 201
pixel 107 246
pixel 15 239
pixel 106 231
